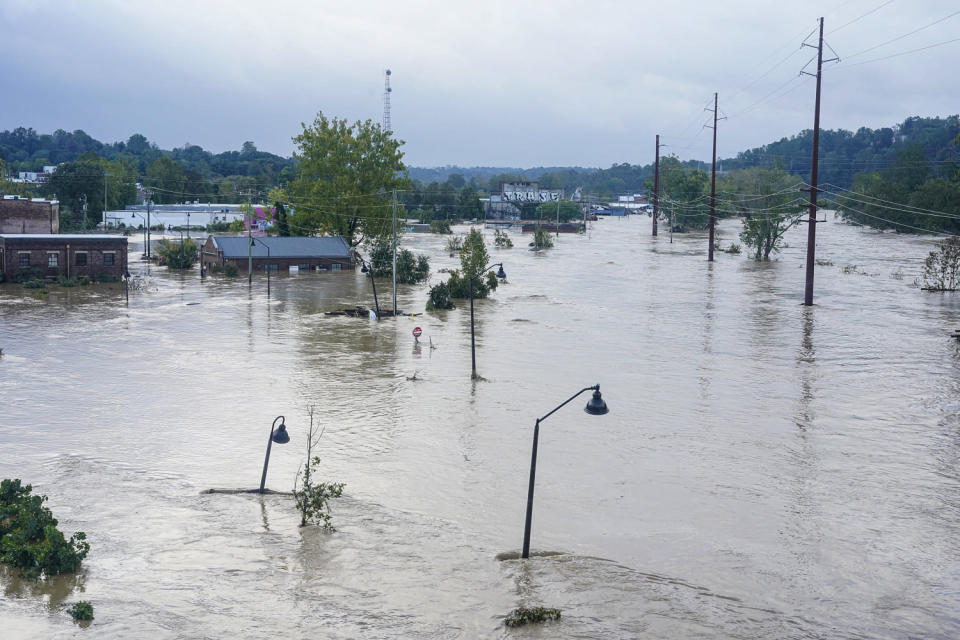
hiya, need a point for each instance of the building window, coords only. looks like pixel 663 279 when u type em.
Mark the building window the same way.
pixel 304 267
pixel 24 259
pixel 81 258
pixel 336 266
pixel 53 260
pixel 108 258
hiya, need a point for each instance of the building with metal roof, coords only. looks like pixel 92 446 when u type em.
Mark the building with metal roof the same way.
pixel 327 253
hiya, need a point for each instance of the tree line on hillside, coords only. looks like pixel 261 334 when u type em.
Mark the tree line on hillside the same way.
pixel 902 177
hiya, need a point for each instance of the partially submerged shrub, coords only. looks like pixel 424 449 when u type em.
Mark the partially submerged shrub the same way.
pixel 81 611
pixel 941 269
pixel 29 538
pixel 541 239
pixel 313 498
pixel 439 297
pixel 440 226
pixel 501 240
pixel 523 615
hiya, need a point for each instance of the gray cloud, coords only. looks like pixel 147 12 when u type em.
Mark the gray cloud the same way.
pixel 505 83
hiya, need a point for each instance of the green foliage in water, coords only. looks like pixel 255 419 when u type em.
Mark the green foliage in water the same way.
pixel 27 274
pixel 411 269
pixel 501 240
pixel 541 239
pixel 313 498
pixel 941 269
pixel 81 611
pixel 34 284
pixel 179 255
pixel 439 297
pixel 64 281
pixel 29 537
pixel 523 616
pixel 440 226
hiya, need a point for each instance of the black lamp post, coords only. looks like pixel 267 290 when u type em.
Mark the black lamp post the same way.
pixel 373 281
pixel 595 407
pixel 126 285
pixel 253 243
pixel 473 350
pixel 280 436
pixel 144 232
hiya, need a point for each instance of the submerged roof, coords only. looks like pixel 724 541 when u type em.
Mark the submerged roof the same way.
pixel 298 247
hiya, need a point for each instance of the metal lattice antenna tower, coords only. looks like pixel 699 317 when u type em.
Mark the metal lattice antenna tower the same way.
pixel 386 101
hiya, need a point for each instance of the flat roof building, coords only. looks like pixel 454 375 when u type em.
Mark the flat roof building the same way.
pixel 29 215
pixel 48 254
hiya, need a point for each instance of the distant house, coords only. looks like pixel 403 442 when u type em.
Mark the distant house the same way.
pixel 274 253
pixel 63 254
pixel 29 215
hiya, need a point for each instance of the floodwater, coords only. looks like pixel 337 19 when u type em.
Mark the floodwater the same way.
pixel 766 470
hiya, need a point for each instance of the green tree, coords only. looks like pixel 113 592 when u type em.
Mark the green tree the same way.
pixel 165 179
pixel 685 189
pixel 411 269
pixel 345 174
pixel 569 210
pixel 770 202
pixel 178 255
pixel 469 204
pixel 278 196
pixel 474 258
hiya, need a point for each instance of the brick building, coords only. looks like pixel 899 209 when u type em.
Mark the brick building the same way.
pixel 26 215
pixel 68 254
pixel 279 254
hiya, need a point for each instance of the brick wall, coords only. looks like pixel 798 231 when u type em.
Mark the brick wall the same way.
pixel 284 264
pixel 40 252
pixel 24 216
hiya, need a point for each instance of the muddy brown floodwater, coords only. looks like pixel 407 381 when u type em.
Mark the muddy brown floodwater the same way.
pixel 766 470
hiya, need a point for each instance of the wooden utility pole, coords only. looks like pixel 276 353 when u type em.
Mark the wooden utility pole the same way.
pixel 394 252
pixel 656 186
pixel 713 182
pixel 812 222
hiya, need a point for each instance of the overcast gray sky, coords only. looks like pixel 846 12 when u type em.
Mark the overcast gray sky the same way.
pixel 518 83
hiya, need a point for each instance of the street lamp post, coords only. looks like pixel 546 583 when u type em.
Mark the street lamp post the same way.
pixel 365 269
pixel 253 243
pixel 280 436
pixel 473 351
pixel 126 285
pixel 145 242
pixel 595 407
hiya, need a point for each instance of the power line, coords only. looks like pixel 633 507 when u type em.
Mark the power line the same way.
pixel 901 37
pixel 847 24
pixel 896 55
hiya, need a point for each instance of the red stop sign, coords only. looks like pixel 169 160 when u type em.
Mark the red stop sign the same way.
pixel 416 332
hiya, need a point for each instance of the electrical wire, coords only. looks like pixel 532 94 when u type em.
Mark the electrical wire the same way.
pixel 861 17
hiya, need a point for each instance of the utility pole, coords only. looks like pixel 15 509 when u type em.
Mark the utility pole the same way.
pixel 656 187
pixel 812 228
pixel 149 196
pixel 104 200
pixel 713 182
pixel 249 242
pixel 558 217
pixel 394 252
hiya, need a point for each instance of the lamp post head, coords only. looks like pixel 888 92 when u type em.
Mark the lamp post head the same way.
pixel 280 435
pixel 501 273
pixel 364 269
pixel 596 406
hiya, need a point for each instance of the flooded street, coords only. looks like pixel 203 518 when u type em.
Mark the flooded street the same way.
pixel 766 470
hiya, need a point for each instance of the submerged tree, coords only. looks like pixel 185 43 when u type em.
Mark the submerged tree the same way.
pixel 411 269
pixel 941 269
pixel 313 498
pixel 771 203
